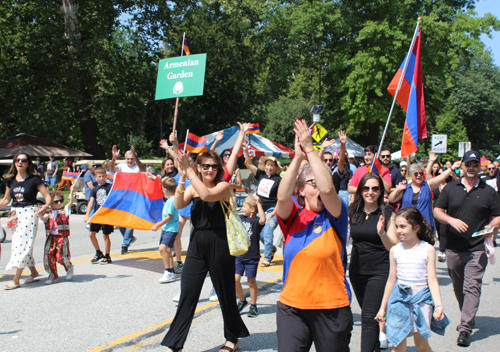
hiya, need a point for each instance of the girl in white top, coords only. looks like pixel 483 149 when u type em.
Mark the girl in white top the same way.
pixel 413 263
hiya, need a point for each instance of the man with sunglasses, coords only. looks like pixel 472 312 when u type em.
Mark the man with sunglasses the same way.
pixel 385 160
pixel 466 206
pixel 370 152
pixel 492 177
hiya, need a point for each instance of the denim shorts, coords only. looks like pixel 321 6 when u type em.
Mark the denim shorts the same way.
pixel 51 180
pixel 247 266
pixel 168 238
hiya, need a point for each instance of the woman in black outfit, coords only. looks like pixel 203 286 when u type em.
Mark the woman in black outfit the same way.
pixel 369 267
pixel 208 250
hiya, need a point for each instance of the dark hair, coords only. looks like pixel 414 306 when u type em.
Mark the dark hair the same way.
pixel 56 193
pixel 439 168
pixel 12 173
pixel 385 149
pixel 193 157
pixel 163 170
pixel 327 153
pixel 372 149
pixel 357 206
pixel 212 155
pixel 415 218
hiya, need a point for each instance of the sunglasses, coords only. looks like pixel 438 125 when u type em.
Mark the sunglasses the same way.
pixel 327 160
pixel 374 189
pixel 206 167
pixel 403 170
pixel 385 156
pixel 418 173
pixel 23 160
pixel 491 168
pixel 57 201
pixel 312 183
pixel 224 155
pixel 472 164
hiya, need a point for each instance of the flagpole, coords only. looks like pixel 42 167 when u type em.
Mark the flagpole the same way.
pixel 399 87
pixel 185 141
pixel 176 111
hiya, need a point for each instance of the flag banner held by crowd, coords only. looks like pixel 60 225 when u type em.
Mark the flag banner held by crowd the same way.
pixel 254 128
pixel 195 144
pixel 411 99
pixel 71 176
pixel 375 167
pixel 135 201
pixel 182 76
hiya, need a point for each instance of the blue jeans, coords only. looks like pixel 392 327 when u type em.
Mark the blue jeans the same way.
pixel 343 194
pixel 127 236
pixel 266 236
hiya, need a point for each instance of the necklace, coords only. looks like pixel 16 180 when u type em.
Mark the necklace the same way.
pixel 23 179
pixel 367 213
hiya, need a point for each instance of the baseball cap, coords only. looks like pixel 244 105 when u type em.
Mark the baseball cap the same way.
pixel 471 155
pixel 403 163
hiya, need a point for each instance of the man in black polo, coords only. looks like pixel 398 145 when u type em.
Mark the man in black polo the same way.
pixel 385 160
pixel 466 206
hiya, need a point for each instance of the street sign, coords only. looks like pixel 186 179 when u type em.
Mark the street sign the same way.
pixel 463 147
pixel 317 147
pixel 439 143
pixel 182 76
pixel 318 132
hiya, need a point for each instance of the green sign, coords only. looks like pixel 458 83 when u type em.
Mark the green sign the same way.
pixel 182 76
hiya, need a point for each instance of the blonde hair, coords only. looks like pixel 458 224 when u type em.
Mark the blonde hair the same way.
pixel 169 184
pixel 251 203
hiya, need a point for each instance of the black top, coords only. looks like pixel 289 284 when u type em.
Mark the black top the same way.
pixel 253 229
pixel 341 180
pixel 100 193
pixel 207 215
pixel 267 188
pixel 24 193
pixel 396 176
pixel 170 174
pixel 414 199
pixel 369 255
pixel 474 208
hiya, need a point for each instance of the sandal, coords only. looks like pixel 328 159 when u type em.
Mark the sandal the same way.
pixel 11 286
pixel 31 279
pixel 265 264
pixel 225 348
pixel 174 349
pixel 273 253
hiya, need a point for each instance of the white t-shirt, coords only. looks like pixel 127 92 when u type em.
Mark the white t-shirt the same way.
pixel 54 230
pixel 131 170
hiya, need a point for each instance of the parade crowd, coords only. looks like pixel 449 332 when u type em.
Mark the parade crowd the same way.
pixel 320 201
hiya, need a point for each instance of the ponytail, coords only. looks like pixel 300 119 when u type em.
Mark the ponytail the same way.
pixel 415 218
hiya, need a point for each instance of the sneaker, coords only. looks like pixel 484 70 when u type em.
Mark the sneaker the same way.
pixel 383 340
pixel 133 240
pixel 124 249
pixel 441 256
pixel 242 305
pixel 213 296
pixel 167 277
pixel 178 267
pixel 69 273
pixel 50 281
pixel 176 298
pixel 252 312
pixel 97 257
pixel 106 260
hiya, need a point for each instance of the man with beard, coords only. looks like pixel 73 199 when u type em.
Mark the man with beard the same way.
pixel 370 152
pixel 385 160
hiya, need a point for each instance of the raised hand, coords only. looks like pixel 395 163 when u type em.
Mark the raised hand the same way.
pixel 244 146
pixel 326 143
pixel 244 127
pixel 132 149
pixel 381 225
pixel 164 144
pixel 342 137
pixel 219 136
pixel 299 153
pixel 304 134
pixel 456 165
pixel 432 156
pixel 115 151
pixel 183 161
pixel 173 137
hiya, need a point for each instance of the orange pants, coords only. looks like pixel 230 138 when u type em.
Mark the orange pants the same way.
pixel 63 183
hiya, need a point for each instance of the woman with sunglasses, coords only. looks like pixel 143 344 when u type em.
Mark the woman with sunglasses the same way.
pixel 23 184
pixel 208 250
pixel 373 233
pixel 418 193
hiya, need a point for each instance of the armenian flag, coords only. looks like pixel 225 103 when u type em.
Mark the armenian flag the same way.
pixel 195 144
pixel 484 161
pixel 185 45
pixel 375 167
pixel 254 128
pixel 411 99
pixel 70 176
pixel 135 201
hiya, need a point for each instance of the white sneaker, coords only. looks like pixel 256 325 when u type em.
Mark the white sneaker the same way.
pixel 441 256
pixel 383 341
pixel 167 277
pixel 69 273
pixel 213 296
pixel 49 281
pixel 176 298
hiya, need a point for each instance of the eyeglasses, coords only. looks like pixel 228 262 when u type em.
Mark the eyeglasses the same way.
pixel 385 156
pixel 207 167
pixel 472 164
pixel 327 160
pixel 491 168
pixel 57 201
pixel 403 170
pixel 224 155
pixel 418 173
pixel 374 189
pixel 23 160
pixel 312 183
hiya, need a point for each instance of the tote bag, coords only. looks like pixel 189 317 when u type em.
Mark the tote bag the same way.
pixel 237 236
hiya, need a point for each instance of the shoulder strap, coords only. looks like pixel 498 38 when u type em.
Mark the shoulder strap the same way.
pixel 339 235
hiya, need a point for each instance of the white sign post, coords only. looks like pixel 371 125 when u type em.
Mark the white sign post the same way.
pixel 463 147
pixel 440 143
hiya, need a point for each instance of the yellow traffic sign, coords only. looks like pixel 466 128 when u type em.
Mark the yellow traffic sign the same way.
pixel 319 132
pixel 317 147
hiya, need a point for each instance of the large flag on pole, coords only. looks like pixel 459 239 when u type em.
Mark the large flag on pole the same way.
pixel 135 202
pixel 411 99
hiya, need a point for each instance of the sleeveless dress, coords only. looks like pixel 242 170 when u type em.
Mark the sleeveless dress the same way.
pixel 208 251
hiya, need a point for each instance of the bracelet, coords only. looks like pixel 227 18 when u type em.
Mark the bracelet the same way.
pixel 309 151
pixel 181 183
pixel 437 307
pixel 192 177
pixel 180 190
pixel 242 133
pixel 381 234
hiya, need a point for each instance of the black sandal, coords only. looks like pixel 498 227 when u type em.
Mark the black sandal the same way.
pixel 175 349
pixel 225 348
pixel 273 253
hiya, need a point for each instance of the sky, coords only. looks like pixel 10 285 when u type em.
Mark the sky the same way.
pixel 493 7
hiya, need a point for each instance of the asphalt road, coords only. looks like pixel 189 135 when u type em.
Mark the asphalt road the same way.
pixel 122 307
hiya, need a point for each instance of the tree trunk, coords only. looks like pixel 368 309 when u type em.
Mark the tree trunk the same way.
pixel 82 98
pixel 374 133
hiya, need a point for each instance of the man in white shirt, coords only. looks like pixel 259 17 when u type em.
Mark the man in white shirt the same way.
pixel 133 165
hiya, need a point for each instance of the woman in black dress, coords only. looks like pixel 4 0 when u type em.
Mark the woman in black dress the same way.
pixel 23 184
pixel 208 250
pixel 369 267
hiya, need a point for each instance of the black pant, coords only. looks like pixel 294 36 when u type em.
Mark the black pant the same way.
pixel 208 251
pixel 369 291
pixel 441 230
pixel 330 329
